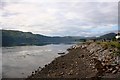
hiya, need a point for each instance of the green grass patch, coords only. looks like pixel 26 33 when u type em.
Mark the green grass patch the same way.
pixel 117 53
pixel 112 44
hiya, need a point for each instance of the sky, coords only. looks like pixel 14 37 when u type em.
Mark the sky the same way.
pixel 60 17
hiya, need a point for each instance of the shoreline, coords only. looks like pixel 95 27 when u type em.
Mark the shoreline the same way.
pixel 79 62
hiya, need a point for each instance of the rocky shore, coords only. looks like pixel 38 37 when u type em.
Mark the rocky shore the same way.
pixel 86 60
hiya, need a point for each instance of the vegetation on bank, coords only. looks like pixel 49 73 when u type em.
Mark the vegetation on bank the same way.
pixel 111 44
pixel 114 44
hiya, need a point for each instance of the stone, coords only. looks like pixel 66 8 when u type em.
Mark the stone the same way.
pixel 76 73
pixel 35 71
pixel 69 73
pixel 117 67
pixel 76 62
pixel 61 73
pixel 82 56
pixel 32 72
pixel 114 71
pixel 45 65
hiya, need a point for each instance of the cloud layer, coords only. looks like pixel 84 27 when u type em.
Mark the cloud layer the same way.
pixel 59 18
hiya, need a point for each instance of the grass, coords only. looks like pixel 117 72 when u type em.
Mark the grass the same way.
pixel 112 44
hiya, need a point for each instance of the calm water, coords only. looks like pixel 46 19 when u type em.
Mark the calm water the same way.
pixel 20 61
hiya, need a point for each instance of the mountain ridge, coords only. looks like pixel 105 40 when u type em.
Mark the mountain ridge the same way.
pixel 16 38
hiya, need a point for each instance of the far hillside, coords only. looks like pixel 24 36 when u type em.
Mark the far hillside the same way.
pixel 108 36
pixel 16 38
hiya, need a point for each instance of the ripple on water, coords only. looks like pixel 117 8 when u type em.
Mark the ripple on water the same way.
pixel 20 61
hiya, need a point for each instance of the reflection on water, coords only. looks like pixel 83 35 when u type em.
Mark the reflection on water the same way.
pixel 20 61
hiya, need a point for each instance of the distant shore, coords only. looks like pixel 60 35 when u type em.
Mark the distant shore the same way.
pixel 87 60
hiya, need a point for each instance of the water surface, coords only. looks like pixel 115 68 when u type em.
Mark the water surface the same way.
pixel 20 61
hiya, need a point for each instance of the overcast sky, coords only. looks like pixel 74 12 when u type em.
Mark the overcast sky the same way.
pixel 60 17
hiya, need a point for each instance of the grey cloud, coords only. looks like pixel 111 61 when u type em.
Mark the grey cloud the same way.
pixel 64 18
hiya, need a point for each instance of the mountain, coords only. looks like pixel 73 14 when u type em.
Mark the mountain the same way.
pixel 108 36
pixel 14 38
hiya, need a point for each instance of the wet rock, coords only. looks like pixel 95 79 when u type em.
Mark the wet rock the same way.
pixel 40 68
pixel 36 71
pixel 61 53
pixel 69 49
pixel 45 65
pixel 32 72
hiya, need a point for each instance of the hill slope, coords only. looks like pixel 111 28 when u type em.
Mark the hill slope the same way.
pixel 14 38
pixel 108 36
pixel 11 38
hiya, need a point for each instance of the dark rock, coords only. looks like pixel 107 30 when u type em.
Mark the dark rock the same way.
pixel 45 65
pixel 62 53
pixel 82 56
pixel 69 49
pixel 32 72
